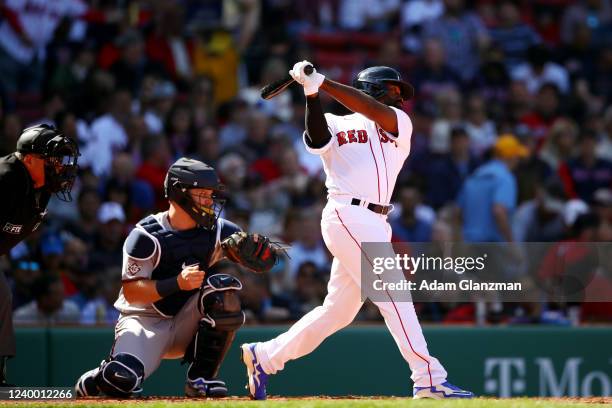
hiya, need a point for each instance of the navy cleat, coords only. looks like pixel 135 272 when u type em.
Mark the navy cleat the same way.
pixel 441 391
pixel 86 385
pixel 258 379
pixel 203 388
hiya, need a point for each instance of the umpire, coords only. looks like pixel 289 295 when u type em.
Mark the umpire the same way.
pixel 45 163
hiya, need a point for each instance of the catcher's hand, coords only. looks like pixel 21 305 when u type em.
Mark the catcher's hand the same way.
pixel 253 251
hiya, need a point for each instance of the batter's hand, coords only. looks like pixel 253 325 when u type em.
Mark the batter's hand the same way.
pixel 312 82
pixel 191 277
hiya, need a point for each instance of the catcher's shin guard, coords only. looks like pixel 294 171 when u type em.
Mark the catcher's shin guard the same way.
pixel 121 376
pixel 220 306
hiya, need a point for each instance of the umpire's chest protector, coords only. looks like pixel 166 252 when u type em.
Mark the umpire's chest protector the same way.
pixel 179 249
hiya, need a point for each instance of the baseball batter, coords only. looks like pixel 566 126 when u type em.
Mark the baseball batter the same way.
pixel 362 154
pixel 172 303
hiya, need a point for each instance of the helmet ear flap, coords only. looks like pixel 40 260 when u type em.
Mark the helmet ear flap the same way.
pixel 378 90
pixel 375 90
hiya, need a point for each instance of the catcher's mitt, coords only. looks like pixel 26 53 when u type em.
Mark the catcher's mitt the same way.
pixel 253 251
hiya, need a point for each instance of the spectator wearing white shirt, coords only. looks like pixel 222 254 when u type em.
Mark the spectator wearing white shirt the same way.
pixel 478 126
pixel 308 247
pixel 162 99
pixel 28 26
pixel 539 70
pixel 107 135
pixel 374 15
pixel 415 13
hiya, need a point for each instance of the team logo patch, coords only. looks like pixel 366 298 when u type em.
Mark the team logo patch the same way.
pixel 133 268
pixel 12 228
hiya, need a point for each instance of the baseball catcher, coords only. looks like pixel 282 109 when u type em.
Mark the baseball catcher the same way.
pixel 172 303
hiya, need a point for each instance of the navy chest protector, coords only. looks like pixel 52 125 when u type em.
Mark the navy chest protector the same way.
pixel 179 249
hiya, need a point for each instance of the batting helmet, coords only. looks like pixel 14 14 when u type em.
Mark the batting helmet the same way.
pixel 60 154
pixel 186 174
pixel 372 82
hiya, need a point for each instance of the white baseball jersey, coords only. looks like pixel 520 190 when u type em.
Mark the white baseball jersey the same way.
pixel 39 19
pixel 362 160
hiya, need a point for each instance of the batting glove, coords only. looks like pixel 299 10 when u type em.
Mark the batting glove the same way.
pixel 312 82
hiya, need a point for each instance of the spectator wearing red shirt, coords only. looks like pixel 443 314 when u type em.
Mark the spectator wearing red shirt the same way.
pixel 157 158
pixel 167 46
pixel 269 166
pixel 545 112
pixel 576 260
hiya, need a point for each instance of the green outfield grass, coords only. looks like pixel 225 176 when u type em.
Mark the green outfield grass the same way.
pixel 325 403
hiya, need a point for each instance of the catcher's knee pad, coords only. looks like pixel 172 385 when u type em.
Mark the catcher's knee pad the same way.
pixel 222 315
pixel 219 303
pixel 121 376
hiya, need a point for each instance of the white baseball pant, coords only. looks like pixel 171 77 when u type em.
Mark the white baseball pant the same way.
pixel 344 227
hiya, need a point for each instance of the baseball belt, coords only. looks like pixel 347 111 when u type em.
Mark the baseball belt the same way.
pixel 378 209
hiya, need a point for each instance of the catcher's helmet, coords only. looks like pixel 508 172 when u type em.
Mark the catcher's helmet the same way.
pixel 372 82
pixel 60 154
pixel 186 174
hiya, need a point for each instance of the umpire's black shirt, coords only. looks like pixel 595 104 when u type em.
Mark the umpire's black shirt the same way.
pixel 22 207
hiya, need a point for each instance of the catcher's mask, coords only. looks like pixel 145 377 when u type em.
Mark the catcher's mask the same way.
pixel 189 174
pixel 60 154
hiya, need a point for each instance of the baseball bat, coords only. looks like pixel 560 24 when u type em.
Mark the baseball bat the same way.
pixel 271 90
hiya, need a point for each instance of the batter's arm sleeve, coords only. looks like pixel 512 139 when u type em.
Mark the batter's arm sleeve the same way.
pixel 330 121
pixel 317 132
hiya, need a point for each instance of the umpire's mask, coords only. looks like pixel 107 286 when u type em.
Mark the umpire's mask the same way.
pixel 60 154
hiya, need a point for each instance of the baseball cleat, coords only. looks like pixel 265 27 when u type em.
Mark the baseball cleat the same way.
pixel 203 388
pixel 441 391
pixel 258 379
pixel 86 385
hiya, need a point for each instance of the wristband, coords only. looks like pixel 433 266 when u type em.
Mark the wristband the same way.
pixel 167 287
pixel 312 83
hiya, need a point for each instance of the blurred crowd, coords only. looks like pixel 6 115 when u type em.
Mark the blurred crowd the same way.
pixel 512 133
